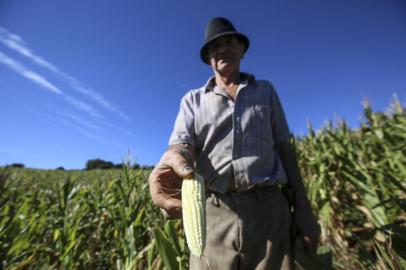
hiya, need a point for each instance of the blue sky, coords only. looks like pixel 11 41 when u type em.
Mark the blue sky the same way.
pixel 96 79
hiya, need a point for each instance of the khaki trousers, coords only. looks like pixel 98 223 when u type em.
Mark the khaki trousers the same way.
pixel 249 230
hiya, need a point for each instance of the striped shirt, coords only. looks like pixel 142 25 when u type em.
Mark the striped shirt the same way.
pixel 234 140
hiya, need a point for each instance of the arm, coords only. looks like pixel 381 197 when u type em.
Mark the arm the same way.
pixel 304 221
pixel 176 163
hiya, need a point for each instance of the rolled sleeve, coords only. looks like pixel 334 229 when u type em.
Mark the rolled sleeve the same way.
pixel 280 126
pixel 183 131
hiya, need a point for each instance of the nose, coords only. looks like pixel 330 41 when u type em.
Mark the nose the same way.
pixel 222 47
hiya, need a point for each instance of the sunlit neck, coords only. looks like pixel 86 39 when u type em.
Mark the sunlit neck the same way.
pixel 227 80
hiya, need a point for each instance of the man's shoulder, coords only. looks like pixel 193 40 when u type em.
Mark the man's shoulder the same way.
pixel 200 90
pixel 265 85
pixel 193 94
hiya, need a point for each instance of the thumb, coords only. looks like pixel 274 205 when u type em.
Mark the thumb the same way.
pixel 181 167
pixel 180 164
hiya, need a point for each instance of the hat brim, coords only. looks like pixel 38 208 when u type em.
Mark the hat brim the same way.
pixel 203 50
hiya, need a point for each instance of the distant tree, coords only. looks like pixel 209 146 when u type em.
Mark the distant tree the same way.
pixel 98 164
pixel 15 165
pixel 136 166
pixel 118 166
pixel 60 168
pixel 147 167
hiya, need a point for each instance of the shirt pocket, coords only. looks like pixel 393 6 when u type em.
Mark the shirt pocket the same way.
pixel 257 122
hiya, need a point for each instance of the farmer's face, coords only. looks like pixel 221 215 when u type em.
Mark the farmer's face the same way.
pixel 225 54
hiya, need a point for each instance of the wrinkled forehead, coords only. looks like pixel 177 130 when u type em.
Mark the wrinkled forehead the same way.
pixel 225 39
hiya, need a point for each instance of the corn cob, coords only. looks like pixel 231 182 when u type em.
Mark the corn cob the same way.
pixel 194 213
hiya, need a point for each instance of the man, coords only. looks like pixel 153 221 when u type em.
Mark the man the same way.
pixel 233 132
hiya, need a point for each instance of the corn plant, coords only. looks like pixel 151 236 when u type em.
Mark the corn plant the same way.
pixel 104 219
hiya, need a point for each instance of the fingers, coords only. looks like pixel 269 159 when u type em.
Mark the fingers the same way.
pixel 310 246
pixel 311 240
pixel 168 203
pixel 170 207
pixel 171 215
pixel 162 199
pixel 180 160
pixel 161 185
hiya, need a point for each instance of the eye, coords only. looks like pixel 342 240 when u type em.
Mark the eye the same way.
pixel 214 46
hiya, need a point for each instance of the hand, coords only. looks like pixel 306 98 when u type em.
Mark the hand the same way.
pixel 166 179
pixel 310 243
pixel 306 227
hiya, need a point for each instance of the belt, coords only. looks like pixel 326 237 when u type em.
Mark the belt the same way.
pixel 259 192
pixel 256 189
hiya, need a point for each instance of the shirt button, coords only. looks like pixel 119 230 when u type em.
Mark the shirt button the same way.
pixel 238 118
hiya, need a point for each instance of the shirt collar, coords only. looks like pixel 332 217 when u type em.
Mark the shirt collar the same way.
pixel 245 79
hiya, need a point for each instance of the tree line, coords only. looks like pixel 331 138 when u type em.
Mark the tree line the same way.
pixel 93 164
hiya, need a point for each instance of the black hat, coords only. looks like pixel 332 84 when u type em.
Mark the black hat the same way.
pixel 219 27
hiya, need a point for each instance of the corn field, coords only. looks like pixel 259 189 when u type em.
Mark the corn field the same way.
pixel 355 179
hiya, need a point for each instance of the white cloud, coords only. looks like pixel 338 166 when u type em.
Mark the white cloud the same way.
pixel 44 83
pixel 115 127
pixel 90 134
pixel 97 97
pixel 68 123
pixel 29 74
pixel 80 105
pixel 85 132
pixel 79 120
pixel 17 44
